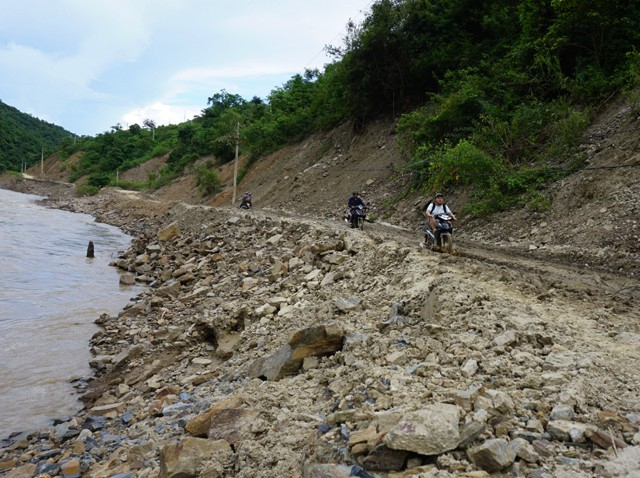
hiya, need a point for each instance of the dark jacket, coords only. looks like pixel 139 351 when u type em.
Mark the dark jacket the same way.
pixel 355 202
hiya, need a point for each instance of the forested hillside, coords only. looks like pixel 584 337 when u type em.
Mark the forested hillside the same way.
pixel 492 96
pixel 23 138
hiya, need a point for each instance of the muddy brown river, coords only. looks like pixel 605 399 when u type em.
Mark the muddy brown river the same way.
pixel 50 296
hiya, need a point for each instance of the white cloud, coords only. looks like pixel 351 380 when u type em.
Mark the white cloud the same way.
pixel 89 65
pixel 161 114
pixel 241 70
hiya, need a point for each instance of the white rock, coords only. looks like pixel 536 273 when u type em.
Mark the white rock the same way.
pixel 470 368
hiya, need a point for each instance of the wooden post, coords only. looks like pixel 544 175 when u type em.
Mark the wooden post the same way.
pixel 90 249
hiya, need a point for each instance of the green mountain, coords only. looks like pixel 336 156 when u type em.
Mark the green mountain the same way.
pixel 24 138
pixel 491 96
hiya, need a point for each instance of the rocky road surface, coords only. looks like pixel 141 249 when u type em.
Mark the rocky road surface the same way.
pixel 271 345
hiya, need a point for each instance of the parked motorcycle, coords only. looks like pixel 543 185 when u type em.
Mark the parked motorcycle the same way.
pixel 441 239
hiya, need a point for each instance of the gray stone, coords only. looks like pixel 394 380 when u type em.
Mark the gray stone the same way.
pixel 314 341
pixel 568 431
pixel 470 432
pixel 128 354
pixel 428 431
pixel 507 338
pixel 493 455
pixel 524 450
pixel 274 366
pixel 559 360
pixel 187 458
pixel 383 458
pixel 127 279
pixel 428 311
pixel 327 471
pixel 501 402
pixel 470 368
pixel 562 412
pixel 232 425
pixel 348 304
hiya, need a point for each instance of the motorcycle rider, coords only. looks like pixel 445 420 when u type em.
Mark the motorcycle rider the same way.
pixel 246 200
pixel 435 207
pixel 354 201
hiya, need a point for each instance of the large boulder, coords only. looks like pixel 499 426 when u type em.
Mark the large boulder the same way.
pixel 314 341
pixel 429 431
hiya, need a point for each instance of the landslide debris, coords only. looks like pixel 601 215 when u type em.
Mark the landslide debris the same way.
pixel 270 346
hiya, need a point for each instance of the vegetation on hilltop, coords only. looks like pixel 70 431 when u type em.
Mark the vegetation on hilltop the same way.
pixel 491 95
pixel 24 139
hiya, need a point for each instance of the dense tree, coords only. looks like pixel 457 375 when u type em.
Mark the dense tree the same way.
pixel 151 126
pixel 23 138
pixel 508 83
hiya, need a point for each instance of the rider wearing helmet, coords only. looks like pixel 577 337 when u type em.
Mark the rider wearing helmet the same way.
pixel 246 200
pixel 354 202
pixel 437 206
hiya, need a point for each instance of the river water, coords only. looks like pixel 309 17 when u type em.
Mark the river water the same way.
pixel 50 295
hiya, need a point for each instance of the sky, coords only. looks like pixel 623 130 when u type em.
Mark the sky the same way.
pixel 88 65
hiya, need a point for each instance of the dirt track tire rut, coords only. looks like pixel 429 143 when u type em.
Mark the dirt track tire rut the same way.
pixel 592 281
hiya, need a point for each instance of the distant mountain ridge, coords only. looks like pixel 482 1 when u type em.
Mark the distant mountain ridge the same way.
pixel 23 138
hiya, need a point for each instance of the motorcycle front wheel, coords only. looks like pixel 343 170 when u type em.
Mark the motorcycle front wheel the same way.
pixel 447 243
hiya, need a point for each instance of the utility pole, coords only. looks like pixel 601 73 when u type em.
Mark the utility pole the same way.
pixel 235 165
pixel 42 161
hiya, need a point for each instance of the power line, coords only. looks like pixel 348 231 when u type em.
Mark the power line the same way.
pixel 504 173
pixel 340 33
pixel 541 171
pixel 531 146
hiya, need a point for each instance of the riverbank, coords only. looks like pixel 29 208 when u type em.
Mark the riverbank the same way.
pixel 269 345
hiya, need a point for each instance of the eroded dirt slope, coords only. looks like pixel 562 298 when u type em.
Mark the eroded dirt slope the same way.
pixel 593 220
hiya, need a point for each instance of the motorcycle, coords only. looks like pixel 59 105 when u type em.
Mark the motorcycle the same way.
pixel 356 217
pixel 245 201
pixel 441 239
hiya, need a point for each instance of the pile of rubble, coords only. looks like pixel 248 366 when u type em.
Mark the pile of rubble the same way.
pixel 283 347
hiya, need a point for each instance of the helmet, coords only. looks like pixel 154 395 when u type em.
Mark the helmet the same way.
pixel 355 193
pixel 439 195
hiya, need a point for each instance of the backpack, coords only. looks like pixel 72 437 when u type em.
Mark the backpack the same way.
pixel 446 208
